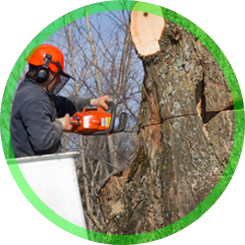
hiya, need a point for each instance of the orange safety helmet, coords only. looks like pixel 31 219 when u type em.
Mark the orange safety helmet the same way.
pixel 49 56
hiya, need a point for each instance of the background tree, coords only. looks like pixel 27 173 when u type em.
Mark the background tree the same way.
pixel 185 136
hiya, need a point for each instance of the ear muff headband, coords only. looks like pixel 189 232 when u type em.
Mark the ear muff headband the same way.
pixel 42 74
pixel 57 73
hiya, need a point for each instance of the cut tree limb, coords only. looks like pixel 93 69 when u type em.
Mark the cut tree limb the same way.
pixel 146 30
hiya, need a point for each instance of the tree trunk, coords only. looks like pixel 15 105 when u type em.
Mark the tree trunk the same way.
pixel 184 140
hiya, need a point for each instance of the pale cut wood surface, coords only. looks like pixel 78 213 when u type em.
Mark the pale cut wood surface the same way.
pixel 146 31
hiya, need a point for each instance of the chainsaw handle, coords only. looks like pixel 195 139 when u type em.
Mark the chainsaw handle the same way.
pixel 113 117
pixel 123 121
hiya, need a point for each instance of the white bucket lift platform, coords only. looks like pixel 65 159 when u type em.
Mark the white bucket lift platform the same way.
pixel 53 178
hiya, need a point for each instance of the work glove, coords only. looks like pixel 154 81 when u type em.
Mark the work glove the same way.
pixel 65 121
pixel 101 101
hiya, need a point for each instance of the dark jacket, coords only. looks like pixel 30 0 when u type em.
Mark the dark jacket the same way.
pixel 34 130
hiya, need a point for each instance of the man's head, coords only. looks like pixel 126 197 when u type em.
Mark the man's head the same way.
pixel 52 82
pixel 46 66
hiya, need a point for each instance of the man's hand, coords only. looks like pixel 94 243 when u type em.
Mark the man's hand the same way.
pixel 65 121
pixel 101 101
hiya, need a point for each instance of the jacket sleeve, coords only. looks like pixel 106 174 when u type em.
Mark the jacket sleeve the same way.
pixel 69 105
pixel 36 117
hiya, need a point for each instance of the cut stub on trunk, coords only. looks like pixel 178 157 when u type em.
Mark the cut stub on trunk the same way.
pixel 146 31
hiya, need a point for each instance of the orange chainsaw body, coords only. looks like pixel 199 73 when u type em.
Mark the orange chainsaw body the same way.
pixel 91 119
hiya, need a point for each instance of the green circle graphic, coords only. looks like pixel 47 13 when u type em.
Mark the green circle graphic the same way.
pixel 238 136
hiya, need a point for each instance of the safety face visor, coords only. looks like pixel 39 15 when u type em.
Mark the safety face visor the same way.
pixel 62 79
pixel 61 84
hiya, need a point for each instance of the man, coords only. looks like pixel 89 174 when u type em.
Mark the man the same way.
pixel 38 115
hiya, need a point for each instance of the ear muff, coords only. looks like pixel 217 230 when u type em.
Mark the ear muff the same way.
pixel 42 74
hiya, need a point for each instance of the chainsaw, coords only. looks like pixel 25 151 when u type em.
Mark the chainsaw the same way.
pixel 94 120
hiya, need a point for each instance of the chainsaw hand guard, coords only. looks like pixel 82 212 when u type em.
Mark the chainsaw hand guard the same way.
pixel 122 123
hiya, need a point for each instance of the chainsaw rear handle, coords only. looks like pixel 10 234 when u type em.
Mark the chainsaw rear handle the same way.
pixel 113 116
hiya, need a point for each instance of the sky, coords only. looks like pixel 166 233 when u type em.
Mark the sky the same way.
pixel 52 13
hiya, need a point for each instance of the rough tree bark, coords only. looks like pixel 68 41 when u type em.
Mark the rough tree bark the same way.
pixel 185 135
